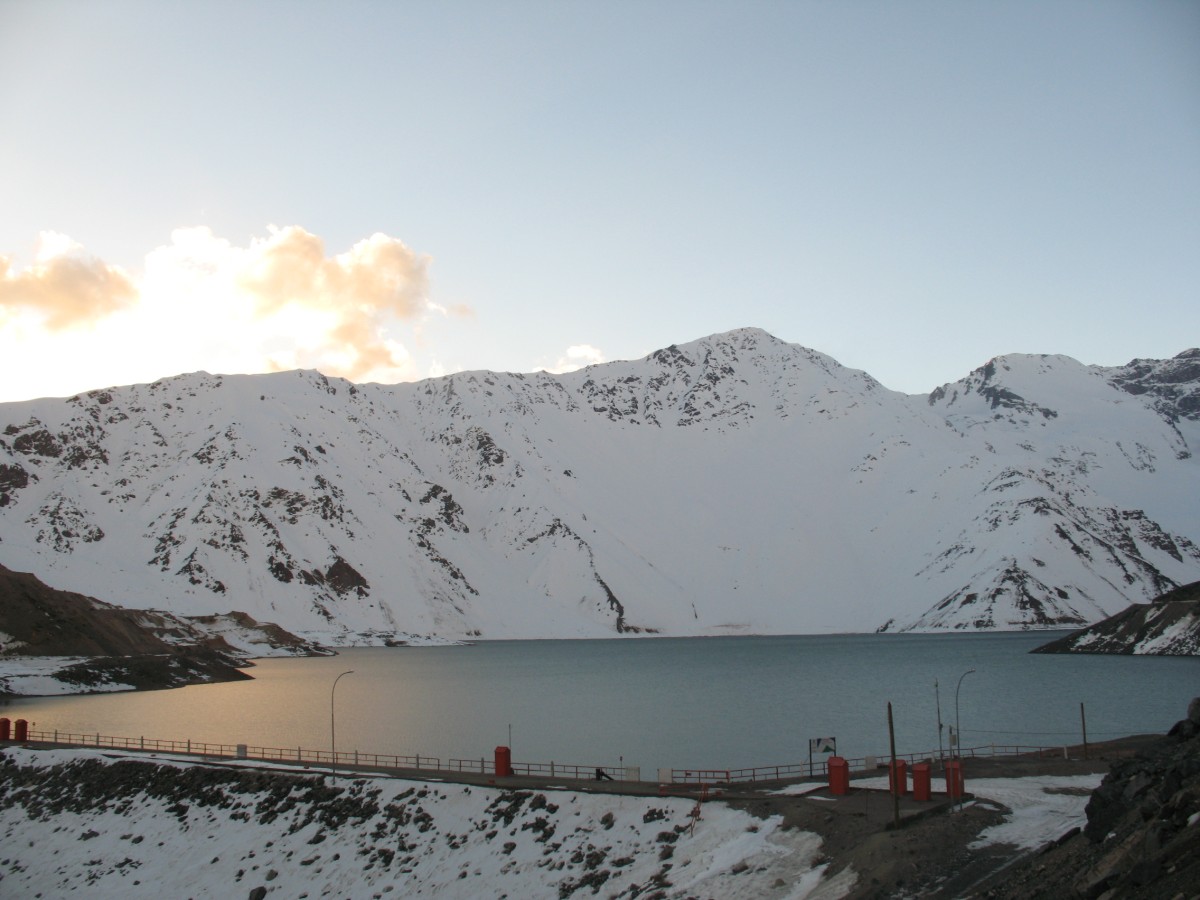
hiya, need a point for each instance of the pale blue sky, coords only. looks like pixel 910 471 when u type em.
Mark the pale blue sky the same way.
pixel 911 187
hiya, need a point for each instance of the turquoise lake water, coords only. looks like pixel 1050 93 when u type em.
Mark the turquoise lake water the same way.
pixel 718 703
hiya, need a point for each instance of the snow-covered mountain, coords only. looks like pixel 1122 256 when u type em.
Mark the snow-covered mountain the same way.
pixel 735 484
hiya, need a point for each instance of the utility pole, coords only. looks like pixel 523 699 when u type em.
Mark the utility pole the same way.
pixel 1083 721
pixel 938 699
pixel 958 728
pixel 892 780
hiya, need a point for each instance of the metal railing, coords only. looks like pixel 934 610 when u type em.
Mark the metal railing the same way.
pixel 354 759
pixel 484 766
pixel 300 755
pixel 859 764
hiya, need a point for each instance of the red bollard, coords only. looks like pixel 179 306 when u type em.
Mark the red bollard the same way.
pixel 954 779
pixel 898 777
pixel 503 762
pixel 5 729
pixel 839 775
pixel 21 729
pixel 922 781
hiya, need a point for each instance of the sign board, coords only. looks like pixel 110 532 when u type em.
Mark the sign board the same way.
pixel 822 745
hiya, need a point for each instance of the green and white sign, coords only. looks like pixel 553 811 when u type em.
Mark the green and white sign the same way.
pixel 822 745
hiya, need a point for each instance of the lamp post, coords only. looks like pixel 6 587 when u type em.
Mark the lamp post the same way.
pixel 958 738
pixel 957 722
pixel 333 724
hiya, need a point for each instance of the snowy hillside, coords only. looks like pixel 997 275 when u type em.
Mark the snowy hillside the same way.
pixel 735 484
pixel 119 824
pixel 1170 626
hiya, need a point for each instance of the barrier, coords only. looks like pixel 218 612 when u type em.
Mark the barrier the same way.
pixel 354 759
pixel 954 779
pixel 504 767
pixel 922 782
pixel 839 776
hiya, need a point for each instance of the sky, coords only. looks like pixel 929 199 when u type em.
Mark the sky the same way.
pixel 393 191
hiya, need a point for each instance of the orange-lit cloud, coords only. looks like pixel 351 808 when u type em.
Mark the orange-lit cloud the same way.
pixel 202 302
pixel 379 280
pixel 576 357
pixel 65 284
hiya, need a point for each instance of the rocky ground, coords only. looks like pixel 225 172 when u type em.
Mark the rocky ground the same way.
pixel 1142 838
pixel 936 851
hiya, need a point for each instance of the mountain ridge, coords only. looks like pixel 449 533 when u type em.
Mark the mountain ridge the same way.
pixel 732 484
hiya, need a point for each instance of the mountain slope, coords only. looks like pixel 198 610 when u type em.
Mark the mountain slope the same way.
pixel 735 484
pixel 1170 626
pixel 55 642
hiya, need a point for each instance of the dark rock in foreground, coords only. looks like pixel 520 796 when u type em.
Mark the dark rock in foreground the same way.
pixel 1142 839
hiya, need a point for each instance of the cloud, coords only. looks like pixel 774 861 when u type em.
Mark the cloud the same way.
pixel 361 292
pixel 65 284
pixel 278 301
pixel 576 357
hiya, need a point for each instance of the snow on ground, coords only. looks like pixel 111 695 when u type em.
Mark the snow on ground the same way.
pixel 33 676
pixel 1177 638
pixel 1044 807
pixel 234 831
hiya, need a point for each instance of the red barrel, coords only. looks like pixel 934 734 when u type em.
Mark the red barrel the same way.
pixel 5 729
pixel 898 777
pixel 503 762
pixel 839 775
pixel 922 781
pixel 21 727
pixel 954 779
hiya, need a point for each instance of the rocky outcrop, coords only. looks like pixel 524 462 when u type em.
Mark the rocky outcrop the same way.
pixel 1173 384
pixel 103 645
pixel 1142 839
pixel 38 620
pixel 1170 626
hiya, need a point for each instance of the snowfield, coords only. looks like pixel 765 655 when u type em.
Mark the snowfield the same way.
pixel 1043 808
pixel 389 838
pixel 34 676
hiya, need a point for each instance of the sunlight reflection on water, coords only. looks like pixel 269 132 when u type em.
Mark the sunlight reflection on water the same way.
pixel 683 702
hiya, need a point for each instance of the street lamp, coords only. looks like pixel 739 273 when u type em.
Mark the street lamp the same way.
pixel 957 723
pixel 333 724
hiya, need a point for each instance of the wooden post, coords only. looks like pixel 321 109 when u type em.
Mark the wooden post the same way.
pixel 892 770
pixel 1083 722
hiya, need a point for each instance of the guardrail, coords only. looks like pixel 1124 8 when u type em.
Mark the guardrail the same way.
pixel 485 766
pixel 241 751
pixel 859 764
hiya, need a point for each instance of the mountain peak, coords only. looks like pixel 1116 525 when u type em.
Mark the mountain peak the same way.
pixel 731 484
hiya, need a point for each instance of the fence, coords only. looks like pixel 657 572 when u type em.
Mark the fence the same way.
pixel 856 764
pixel 485 766
pixel 350 758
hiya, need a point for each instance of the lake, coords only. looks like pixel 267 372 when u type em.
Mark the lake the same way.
pixel 726 702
